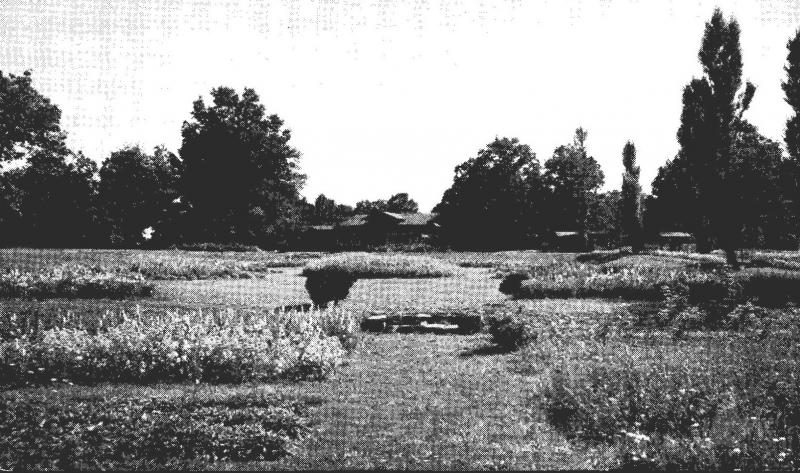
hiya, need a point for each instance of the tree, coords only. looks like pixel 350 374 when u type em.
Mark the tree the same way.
pixel 605 214
pixel 326 211
pixel 401 203
pixel 241 177
pixel 631 198
pixel 367 206
pixel 721 57
pixel 791 88
pixel 56 193
pixel 755 169
pixel 494 199
pixel 572 178
pixel 137 191
pixel 28 121
pixel 398 203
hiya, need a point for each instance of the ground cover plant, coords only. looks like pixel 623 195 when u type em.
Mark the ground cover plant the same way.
pixel 189 346
pixel 73 281
pixel 42 430
pixel 720 399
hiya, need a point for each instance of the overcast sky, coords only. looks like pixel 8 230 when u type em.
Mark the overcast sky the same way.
pixel 389 96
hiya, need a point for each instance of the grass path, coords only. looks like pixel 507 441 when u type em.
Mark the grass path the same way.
pixel 428 402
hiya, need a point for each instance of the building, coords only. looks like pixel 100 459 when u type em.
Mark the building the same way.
pixel 370 230
pixel 675 240
pixel 363 231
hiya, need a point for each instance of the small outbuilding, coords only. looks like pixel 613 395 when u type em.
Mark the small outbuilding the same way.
pixel 674 240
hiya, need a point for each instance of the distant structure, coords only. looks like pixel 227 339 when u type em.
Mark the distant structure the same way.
pixel 674 240
pixel 370 230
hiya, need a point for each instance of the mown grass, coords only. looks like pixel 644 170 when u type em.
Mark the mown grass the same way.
pixel 371 265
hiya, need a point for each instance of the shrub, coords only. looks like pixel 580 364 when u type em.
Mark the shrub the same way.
pixel 180 267
pixel 729 401
pixel 324 288
pixel 46 432
pixel 184 347
pixel 73 281
pixel 512 282
pixel 511 331
pixel 368 265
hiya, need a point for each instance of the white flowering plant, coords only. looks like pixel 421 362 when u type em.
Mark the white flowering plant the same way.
pixel 187 346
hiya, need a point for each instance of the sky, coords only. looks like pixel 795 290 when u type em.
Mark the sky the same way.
pixel 389 96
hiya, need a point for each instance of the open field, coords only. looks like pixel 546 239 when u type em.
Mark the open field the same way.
pixel 452 401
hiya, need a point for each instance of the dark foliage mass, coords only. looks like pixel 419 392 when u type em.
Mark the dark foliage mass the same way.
pixel 137 191
pixel 494 199
pixel 241 177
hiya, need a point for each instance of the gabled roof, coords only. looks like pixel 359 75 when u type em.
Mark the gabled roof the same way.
pixel 675 235
pixel 402 219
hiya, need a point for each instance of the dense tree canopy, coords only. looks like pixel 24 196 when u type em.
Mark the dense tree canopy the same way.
pixel 326 211
pixel 399 203
pixel 52 200
pixel 137 191
pixel 28 121
pixel 241 177
pixel 571 178
pixel 495 197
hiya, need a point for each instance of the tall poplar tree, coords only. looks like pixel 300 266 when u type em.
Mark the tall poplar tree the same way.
pixel 631 192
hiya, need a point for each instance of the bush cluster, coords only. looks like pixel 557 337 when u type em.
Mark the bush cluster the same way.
pixel 41 432
pixel 579 280
pixel 511 331
pixel 175 267
pixel 184 347
pixel 73 281
pixel 731 401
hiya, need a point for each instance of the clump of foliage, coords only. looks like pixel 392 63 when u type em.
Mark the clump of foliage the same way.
pixel 727 402
pixel 73 281
pixel 511 331
pixel 578 280
pixel 189 346
pixel 182 267
pixel 369 265
pixel 216 247
pixel 46 431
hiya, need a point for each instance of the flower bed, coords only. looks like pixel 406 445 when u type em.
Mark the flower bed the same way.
pixel 73 281
pixel 190 346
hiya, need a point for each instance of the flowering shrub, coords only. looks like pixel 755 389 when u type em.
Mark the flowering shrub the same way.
pixel 177 266
pixel 371 265
pixel 731 401
pixel 135 433
pixel 581 280
pixel 73 281
pixel 190 346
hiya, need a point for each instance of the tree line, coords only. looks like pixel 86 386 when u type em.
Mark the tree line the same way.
pixel 236 177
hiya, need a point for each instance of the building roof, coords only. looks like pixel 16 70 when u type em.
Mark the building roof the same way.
pixel 401 219
pixel 675 235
